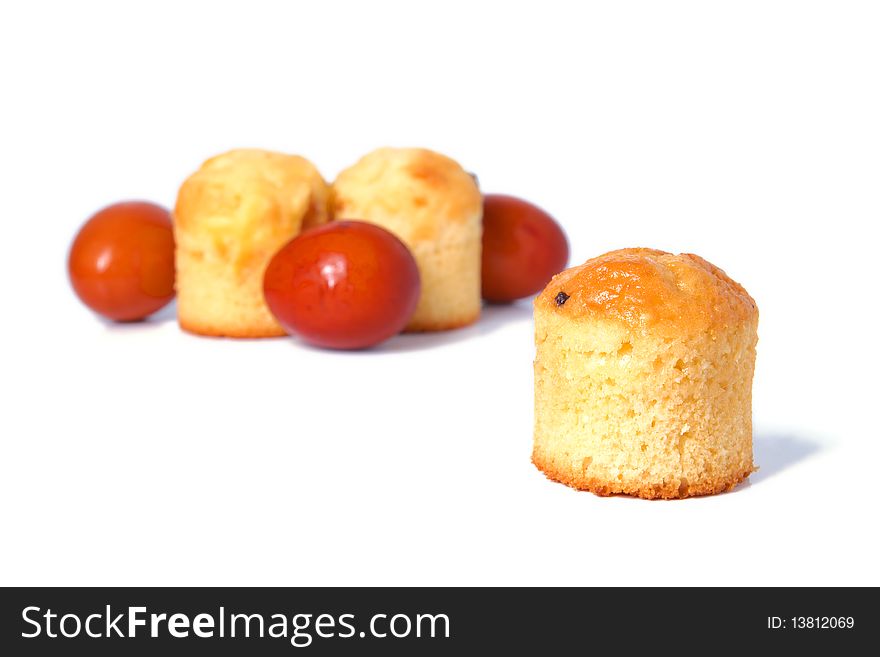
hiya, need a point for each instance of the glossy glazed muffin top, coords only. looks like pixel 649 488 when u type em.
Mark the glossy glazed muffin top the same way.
pixel 649 289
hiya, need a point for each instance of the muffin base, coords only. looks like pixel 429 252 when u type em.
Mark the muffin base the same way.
pixel 646 490
pixel 426 326
pixel 450 279
pixel 214 331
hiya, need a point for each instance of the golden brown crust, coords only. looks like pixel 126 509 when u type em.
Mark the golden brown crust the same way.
pixel 668 490
pixel 416 193
pixel 221 198
pixel 644 288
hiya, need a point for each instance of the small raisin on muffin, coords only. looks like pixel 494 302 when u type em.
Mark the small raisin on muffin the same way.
pixel 231 217
pixel 643 376
pixel 435 207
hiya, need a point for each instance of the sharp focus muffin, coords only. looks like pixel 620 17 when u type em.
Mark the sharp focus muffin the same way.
pixel 643 376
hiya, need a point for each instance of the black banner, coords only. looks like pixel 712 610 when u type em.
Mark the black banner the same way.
pixel 417 621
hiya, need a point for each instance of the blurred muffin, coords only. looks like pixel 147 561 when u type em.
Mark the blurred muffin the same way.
pixel 643 376
pixel 231 217
pixel 435 207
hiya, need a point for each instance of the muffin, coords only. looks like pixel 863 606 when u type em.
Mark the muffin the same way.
pixel 231 217
pixel 435 207
pixel 643 376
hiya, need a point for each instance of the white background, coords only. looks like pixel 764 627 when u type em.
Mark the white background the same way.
pixel 746 132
